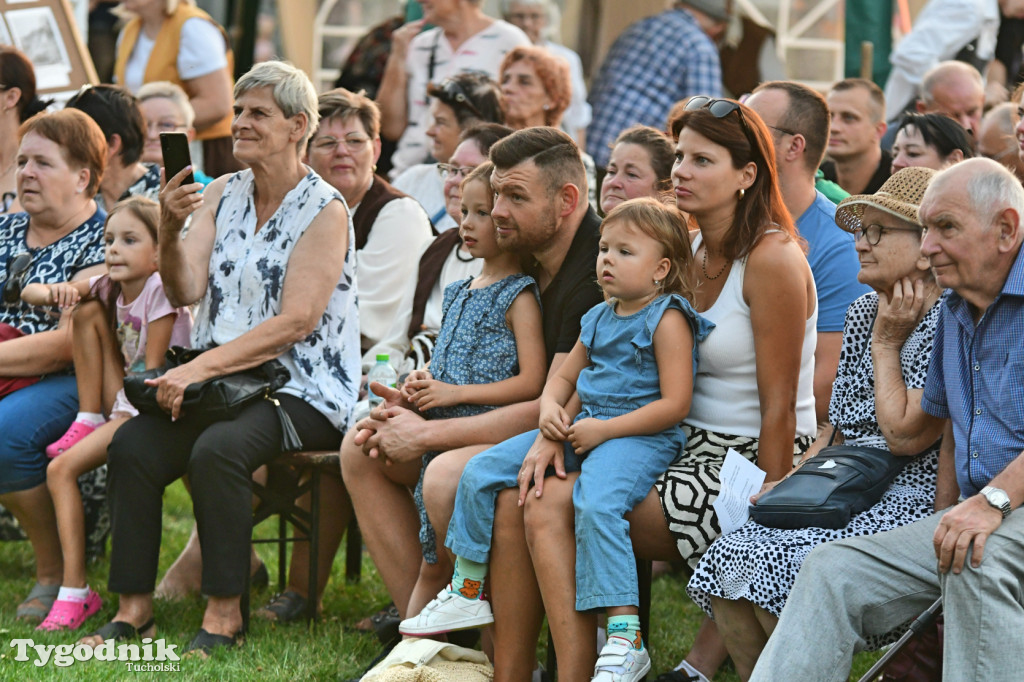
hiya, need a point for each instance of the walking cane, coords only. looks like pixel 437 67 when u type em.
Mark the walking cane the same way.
pixel 920 623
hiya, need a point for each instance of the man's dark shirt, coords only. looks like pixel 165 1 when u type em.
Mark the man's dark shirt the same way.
pixel 573 290
pixel 881 174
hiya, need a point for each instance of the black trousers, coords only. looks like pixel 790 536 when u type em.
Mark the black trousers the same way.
pixel 149 452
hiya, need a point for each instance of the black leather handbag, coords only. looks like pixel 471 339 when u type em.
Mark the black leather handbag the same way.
pixel 220 398
pixel 829 488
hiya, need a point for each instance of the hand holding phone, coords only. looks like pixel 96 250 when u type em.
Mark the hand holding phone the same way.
pixel 176 155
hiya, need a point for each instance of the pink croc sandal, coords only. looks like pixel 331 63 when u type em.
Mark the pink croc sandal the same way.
pixel 69 615
pixel 76 432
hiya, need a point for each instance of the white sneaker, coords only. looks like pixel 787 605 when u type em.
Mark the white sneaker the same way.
pixel 448 611
pixel 620 662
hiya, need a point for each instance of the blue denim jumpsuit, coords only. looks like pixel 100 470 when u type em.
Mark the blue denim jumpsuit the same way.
pixel 615 476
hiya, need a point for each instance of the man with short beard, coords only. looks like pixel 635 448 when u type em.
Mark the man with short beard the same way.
pixel 540 210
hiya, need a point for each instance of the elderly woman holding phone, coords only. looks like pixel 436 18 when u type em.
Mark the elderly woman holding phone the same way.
pixel 269 260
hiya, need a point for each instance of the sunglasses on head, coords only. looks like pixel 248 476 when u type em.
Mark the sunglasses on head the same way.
pixel 720 108
pixel 453 95
pixel 17 271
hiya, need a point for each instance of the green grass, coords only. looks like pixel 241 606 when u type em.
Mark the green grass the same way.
pixel 295 652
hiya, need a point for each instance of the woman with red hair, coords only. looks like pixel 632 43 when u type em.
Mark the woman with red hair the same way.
pixel 536 91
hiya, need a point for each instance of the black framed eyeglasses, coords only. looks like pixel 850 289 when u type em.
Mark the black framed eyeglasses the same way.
pixel 873 232
pixel 784 131
pixel 453 94
pixel 17 271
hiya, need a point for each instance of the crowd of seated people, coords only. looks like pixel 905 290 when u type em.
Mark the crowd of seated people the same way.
pixel 832 277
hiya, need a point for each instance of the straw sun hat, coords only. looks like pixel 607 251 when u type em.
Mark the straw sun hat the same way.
pixel 900 196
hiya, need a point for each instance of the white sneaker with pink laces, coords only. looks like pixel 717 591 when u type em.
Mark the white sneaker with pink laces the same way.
pixel 76 432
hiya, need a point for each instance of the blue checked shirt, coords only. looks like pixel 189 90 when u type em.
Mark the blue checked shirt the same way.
pixel 976 377
pixel 654 63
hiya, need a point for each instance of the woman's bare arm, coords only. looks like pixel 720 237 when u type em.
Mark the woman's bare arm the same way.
pixel 907 428
pixel 392 96
pixel 210 95
pixel 778 316
pixel 314 268
pixel 185 263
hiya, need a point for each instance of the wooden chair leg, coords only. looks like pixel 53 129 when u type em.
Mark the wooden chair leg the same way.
pixel 353 551
pixel 313 598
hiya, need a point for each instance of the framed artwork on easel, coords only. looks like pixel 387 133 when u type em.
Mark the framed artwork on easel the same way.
pixel 45 30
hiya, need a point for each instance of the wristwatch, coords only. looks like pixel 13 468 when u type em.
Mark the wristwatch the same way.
pixel 998 499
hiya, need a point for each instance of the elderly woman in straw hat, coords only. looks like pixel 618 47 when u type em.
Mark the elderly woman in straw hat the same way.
pixel 745 577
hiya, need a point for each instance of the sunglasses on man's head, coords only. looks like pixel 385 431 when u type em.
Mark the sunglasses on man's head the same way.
pixel 17 271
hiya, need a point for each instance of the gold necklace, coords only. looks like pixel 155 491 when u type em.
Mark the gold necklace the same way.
pixel 704 266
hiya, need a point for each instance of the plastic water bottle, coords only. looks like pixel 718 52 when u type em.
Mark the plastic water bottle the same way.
pixel 382 373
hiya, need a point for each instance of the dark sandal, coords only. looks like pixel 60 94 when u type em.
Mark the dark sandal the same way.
pixel 676 676
pixel 120 631
pixel 284 607
pixel 259 579
pixel 384 624
pixel 45 595
pixel 204 643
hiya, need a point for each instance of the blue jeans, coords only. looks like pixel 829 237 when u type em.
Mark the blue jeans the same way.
pixel 486 475
pixel 615 477
pixel 30 419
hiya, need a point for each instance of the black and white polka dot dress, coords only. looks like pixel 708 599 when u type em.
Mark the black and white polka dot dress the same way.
pixel 760 564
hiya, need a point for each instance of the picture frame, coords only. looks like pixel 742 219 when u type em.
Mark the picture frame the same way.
pixel 46 31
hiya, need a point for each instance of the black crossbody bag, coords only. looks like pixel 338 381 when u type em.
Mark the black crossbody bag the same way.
pixel 829 488
pixel 220 398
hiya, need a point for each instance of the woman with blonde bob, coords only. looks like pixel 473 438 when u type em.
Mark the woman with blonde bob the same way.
pixel 269 263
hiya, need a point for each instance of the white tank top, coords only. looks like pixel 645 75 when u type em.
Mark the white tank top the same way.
pixel 725 395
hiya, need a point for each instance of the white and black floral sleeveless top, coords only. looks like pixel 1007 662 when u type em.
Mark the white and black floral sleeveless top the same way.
pixel 247 271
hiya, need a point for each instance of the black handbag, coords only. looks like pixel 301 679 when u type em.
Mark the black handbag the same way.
pixel 829 488
pixel 220 398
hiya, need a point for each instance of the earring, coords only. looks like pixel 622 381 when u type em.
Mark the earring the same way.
pixel 742 193
pixel 546 107
pixel 657 283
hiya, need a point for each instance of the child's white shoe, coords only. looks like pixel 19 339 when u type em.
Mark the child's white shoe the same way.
pixel 619 661
pixel 449 611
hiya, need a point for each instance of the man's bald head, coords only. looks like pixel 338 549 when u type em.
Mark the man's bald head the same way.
pixel 957 90
pixel 997 139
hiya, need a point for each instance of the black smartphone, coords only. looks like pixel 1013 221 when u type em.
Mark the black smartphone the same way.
pixel 176 156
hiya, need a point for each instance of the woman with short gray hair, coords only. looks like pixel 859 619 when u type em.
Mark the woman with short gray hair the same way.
pixel 269 259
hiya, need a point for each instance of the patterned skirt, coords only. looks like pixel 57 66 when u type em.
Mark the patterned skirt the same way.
pixel 690 486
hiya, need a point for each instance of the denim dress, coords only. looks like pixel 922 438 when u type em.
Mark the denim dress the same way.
pixel 474 346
